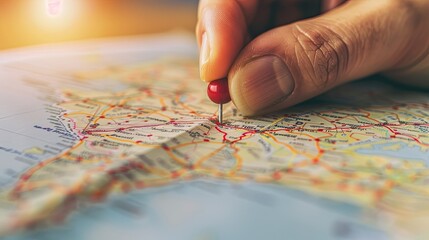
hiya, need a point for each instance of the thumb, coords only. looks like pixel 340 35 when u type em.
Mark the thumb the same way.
pixel 295 62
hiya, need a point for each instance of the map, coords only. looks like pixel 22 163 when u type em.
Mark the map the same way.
pixel 116 139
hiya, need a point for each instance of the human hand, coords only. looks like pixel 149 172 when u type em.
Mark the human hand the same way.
pixel 275 56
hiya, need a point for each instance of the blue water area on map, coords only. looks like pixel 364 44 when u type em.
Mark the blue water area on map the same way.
pixel 403 152
pixel 214 209
pixel 26 123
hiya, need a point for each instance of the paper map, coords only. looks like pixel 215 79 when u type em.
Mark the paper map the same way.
pixel 117 139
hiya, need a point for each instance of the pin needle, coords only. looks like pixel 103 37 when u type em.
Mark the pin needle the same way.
pixel 218 92
pixel 220 113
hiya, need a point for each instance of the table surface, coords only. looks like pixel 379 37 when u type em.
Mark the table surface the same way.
pixel 24 23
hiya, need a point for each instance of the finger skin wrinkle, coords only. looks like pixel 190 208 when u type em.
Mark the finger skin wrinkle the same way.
pixel 326 57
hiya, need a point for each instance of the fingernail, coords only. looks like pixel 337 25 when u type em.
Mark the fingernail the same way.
pixel 204 54
pixel 261 84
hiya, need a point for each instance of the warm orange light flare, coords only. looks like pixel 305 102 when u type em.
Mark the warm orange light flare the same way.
pixel 28 22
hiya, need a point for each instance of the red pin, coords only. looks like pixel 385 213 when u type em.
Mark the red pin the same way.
pixel 218 92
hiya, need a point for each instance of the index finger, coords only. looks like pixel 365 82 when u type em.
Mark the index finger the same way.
pixel 221 33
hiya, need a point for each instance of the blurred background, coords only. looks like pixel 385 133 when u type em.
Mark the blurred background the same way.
pixel 30 22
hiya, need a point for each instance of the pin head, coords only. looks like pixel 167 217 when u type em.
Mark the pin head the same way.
pixel 218 92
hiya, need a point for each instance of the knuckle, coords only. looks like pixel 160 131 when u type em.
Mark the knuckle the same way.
pixel 321 54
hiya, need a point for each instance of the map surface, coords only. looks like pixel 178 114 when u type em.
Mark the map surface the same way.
pixel 117 139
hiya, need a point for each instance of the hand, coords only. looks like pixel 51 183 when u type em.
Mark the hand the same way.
pixel 274 61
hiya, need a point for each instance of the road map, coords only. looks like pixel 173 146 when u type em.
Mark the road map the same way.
pixel 116 139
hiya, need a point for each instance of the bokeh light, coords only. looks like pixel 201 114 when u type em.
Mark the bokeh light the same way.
pixel 54 7
pixel 24 22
